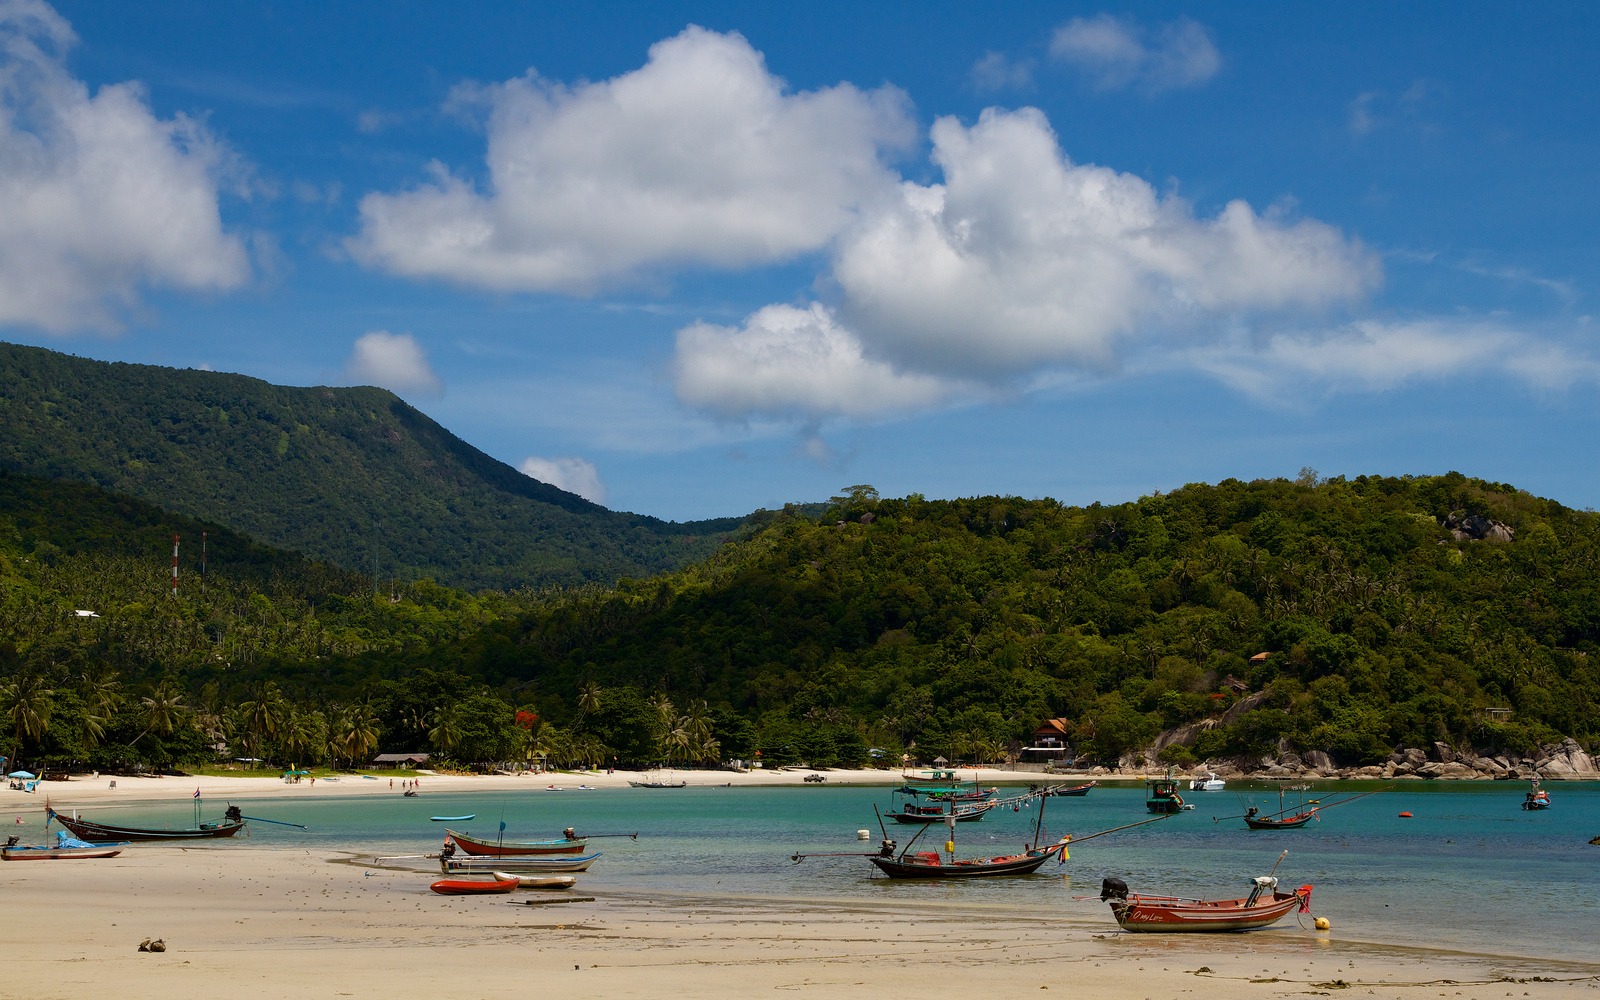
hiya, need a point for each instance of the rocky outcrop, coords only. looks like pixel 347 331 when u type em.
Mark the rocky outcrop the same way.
pixel 1476 527
pixel 1243 705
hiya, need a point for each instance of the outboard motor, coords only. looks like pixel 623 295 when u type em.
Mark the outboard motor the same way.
pixel 448 850
pixel 12 841
pixel 1113 888
pixel 233 814
pixel 887 850
pixel 570 833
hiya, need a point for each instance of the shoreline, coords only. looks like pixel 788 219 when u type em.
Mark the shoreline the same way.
pixel 83 790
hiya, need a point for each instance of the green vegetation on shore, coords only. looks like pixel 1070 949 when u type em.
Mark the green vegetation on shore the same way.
pixel 956 625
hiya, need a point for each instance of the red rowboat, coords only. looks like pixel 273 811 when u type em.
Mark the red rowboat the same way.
pixel 472 887
pixel 503 849
pixel 1264 906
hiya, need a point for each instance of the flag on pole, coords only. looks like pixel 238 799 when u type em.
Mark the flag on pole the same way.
pixel 197 793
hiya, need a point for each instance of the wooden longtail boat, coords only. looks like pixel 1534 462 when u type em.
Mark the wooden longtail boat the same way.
pixel 936 814
pixel 929 864
pixel 1537 798
pixel 515 848
pixel 1264 906
pixel 1075 790
pixel 471 887
pixel 100 833
pixel 1257 822
pixel 546 865
pixel 944 786
pixel 57 853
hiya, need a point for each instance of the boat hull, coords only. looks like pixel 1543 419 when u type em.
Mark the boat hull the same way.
pixel 1017 864
pixel 100 833
pixel 539 881
pixel 1292 823
pixel 56 853
pixel 1078 790
pixel 964 814
pixel 468 887
pixel 534 848
pixel 518 865
pixel 658 784
pixel 1147 914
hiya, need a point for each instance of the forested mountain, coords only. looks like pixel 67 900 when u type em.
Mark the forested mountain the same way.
pixel 1394 611
pixel 356 477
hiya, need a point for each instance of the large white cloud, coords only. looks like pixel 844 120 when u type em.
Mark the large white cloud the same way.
pixel 1022 258
pixel 98 197
pixel 394 361
pixel 699 157
pixel 789 362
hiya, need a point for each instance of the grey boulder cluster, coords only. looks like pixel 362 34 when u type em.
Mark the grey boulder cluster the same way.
pixel 1476 527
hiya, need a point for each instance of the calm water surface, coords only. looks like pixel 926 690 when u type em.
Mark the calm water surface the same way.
pixel 1470 871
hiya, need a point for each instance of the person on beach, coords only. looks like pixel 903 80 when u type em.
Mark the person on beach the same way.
pixel 391 784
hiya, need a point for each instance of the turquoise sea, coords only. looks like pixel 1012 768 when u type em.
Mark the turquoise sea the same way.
pixel 1470 872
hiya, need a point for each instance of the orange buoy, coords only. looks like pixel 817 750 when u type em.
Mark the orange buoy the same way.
pixel 1405 816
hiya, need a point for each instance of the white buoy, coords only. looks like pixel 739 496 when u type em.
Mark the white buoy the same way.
pixel 863 834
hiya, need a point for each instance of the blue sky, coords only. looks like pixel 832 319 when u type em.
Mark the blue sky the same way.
pixel 694 259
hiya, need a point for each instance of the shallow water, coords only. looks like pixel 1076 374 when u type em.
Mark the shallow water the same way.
pixel 1471 872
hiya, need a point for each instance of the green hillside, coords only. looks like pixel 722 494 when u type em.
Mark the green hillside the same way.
pixel 356 477
pixel 1394 611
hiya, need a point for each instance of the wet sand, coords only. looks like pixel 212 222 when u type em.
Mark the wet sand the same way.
pixel 248 922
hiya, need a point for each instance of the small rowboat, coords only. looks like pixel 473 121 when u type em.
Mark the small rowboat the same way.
pixel 544 866
pixel 1263 907
pixel 453 819
pixel 56 853
pixel 474 887
pixel 539 881
pixel 658 784
pixel 515 848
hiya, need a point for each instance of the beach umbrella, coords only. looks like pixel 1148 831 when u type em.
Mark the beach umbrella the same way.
pixel 21 774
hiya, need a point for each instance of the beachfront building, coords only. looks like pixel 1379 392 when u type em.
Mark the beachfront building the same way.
pixel 1051 740
pixel 387 761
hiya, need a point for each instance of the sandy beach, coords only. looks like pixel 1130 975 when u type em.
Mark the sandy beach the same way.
pixel 286 923
pixel 83 790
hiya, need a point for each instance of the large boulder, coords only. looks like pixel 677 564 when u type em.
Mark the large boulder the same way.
pixel 1444 753
pixel 1456 770
pixel 1432 769
pixel 1416 758
pixel 1320 760
pixel 1476 527
pixel 1243 705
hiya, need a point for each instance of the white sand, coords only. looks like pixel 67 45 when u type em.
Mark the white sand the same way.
pixel 247 922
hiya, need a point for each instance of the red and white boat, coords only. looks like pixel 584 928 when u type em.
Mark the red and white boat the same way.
pixel 472 887
pixel 570 843
pixel 1264 906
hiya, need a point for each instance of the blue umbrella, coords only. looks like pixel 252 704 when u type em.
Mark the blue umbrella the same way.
pixel 21 774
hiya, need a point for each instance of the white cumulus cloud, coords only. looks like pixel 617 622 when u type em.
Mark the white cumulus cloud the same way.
pixel 570 473
pixel 1117 53
pixel 789 362
pixel 700 157
pixel 1374 355
pixel 393 361
pixel 98 196
pixel 1022 259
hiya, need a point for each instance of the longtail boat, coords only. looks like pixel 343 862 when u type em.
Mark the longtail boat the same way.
pixel 944 785
pixel 471 887
pixel 546 865
pixel 569 844
pixel 66 850
pixel 100 833
pixel 1264 906
pixel 1074 790
pixel 936 813
pixel 930 864
pixel 1256 821
pixel 1537 798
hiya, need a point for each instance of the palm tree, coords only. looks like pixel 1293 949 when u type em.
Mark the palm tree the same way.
pixel 98 689
pixel 303 732
pixel 588 699
pixel 263 715
pixel 360 734
pixel 27 706
pixel 446 731
pixel 161 710
pixel 336 722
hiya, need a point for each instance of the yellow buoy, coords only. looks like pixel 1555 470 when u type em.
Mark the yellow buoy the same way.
pixel 949 847
pixel 1322 923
